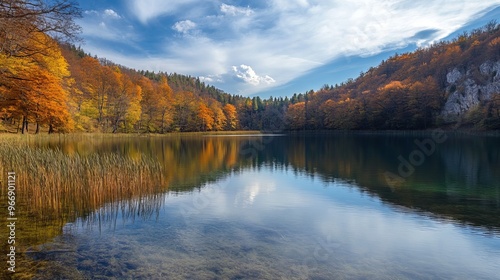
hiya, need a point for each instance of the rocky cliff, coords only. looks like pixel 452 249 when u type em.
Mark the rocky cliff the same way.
pixel 467 89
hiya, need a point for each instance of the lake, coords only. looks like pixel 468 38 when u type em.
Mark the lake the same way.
pixel 323 206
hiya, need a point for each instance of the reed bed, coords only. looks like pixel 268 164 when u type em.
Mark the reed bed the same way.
pixel 55 184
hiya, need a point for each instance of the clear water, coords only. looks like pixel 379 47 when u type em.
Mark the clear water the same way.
pixel 293 207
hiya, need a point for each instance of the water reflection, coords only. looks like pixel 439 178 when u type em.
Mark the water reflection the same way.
pixel 456 181
pixel 295 228
pixel 317 206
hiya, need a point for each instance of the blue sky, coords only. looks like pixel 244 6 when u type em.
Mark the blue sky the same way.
pixel 273 47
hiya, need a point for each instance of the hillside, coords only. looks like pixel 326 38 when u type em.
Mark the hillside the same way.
pixel 449 84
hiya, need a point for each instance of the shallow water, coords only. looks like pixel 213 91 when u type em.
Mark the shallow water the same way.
pixel 293 207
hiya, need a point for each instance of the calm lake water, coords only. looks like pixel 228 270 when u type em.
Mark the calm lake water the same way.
pixel 291 207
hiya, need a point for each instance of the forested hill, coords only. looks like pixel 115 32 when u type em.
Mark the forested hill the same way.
pixel 48 85
pixel 449 84
pixel 107 97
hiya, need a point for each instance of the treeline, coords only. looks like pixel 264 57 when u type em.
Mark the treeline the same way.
pixel 48 84
pixel 64 89
pixel 106 97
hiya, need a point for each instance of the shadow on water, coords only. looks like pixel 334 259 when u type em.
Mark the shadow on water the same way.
pixel 95 180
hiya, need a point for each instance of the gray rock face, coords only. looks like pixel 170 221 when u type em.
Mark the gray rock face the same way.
pixel 453 76
pixel 467 93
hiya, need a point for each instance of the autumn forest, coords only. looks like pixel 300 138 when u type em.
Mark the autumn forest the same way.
pixel 49 84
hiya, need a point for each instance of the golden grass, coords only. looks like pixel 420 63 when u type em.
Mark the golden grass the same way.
pixel 52 182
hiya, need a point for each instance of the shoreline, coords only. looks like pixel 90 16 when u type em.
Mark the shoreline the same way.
pixel 257 133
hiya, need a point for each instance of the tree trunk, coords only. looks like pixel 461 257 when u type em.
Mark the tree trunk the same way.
pixel 162 122
pixel 25 125
pixel 51 129
pixel 37 128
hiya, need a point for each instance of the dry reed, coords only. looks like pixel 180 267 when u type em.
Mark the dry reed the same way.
pixel 54 184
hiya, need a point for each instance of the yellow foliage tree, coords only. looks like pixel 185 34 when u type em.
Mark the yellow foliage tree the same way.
pixel 205 117
pixel 231 117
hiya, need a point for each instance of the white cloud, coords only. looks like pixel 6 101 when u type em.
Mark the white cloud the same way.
pixel 248 75
pixel 112 14
pixel 234 11
pixel 108 13
pixel 145 10
pixel 206 79
pixel 212 79
pixel 91 12
pixel 290 4
pixel 184 26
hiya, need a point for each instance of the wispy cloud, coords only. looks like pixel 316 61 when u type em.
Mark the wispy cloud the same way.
pixel 101 26
pixel 90 12
pixel 145 10
pixel 282 39
pixel 112 14
pixel 184 26
pixel 234 11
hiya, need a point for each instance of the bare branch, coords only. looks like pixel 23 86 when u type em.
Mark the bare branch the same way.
pixel 21 20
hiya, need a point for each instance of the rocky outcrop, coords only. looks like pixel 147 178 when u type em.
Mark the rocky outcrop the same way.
pixel 467 90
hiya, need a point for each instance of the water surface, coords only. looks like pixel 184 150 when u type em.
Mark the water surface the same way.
pixel 290 207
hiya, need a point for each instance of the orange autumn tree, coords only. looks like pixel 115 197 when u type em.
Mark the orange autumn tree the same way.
pixel 205 116
pixel 44 101
pixel 32 69
pixel 133 95
pixel 32 88
pixel 157 100
pixel 123 103
pixel 296 116
pixel 100 83
pixel 218 115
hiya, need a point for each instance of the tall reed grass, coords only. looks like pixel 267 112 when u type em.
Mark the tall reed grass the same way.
pixel 53 183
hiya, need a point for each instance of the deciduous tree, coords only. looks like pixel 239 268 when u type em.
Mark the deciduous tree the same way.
pixel 231 117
